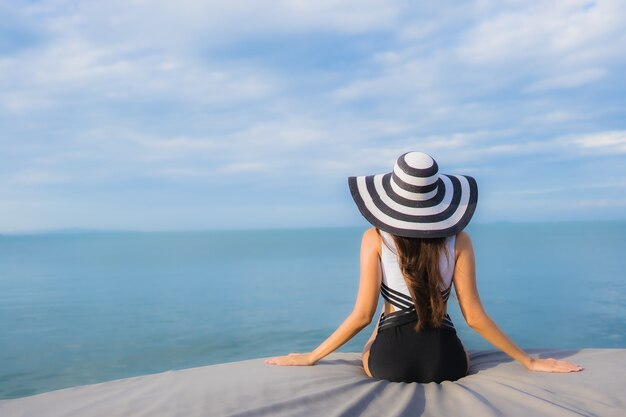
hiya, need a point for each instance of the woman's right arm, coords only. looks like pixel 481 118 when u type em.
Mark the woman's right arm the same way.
pixel 477 318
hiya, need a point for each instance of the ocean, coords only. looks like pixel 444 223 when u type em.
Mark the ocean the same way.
pixel 80 308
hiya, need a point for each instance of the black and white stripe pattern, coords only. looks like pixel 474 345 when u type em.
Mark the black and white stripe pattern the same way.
pixel 415 200
pixel 405 309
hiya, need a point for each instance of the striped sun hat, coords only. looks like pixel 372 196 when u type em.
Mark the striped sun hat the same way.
pixel 414 200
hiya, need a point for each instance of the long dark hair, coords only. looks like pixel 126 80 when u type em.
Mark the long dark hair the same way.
pixel 418 259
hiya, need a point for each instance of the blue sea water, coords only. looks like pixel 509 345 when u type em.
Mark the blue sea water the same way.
pixel 89 307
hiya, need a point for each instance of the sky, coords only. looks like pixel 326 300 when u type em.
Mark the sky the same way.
pixel 189 115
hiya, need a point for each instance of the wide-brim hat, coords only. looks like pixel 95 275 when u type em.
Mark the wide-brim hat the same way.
pixel 415 200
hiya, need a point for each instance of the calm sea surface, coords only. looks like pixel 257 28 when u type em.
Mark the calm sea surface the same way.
pixel 89 307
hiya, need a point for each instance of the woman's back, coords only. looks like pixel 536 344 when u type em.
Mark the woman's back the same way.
pixel 400 352
pixel 392 274
pixel 394 288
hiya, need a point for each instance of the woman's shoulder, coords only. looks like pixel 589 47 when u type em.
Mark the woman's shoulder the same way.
pixel 462 242
pixel 371 238
pixel 372 234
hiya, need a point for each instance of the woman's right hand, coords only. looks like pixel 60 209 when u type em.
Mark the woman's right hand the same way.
pixel 552 365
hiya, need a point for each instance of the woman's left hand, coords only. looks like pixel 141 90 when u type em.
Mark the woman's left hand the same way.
pixel 293 359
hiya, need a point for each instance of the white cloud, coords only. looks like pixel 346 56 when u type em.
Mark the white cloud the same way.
pixel 38 178
pixel 72 70
pixel 544 30
pixel 556 116
pixel 601 203
pixel 15 102
pixel 607 142
pixel 564 81
pixel 606 184
pixel 173 145
pixel 189 24
pixel 244 167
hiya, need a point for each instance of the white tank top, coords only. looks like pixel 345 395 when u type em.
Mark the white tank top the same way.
pixel 393 279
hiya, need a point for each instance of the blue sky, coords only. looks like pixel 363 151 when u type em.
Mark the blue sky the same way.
pixel 156 115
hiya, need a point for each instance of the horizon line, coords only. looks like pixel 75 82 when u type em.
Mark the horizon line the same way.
pixel 87 230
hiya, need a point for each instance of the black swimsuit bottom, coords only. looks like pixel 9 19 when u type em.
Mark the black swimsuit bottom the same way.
pixel 400 354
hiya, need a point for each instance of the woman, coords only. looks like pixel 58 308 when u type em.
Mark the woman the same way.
pixel 413 255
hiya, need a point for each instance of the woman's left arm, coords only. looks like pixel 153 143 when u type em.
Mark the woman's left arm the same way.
pixel 364 308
